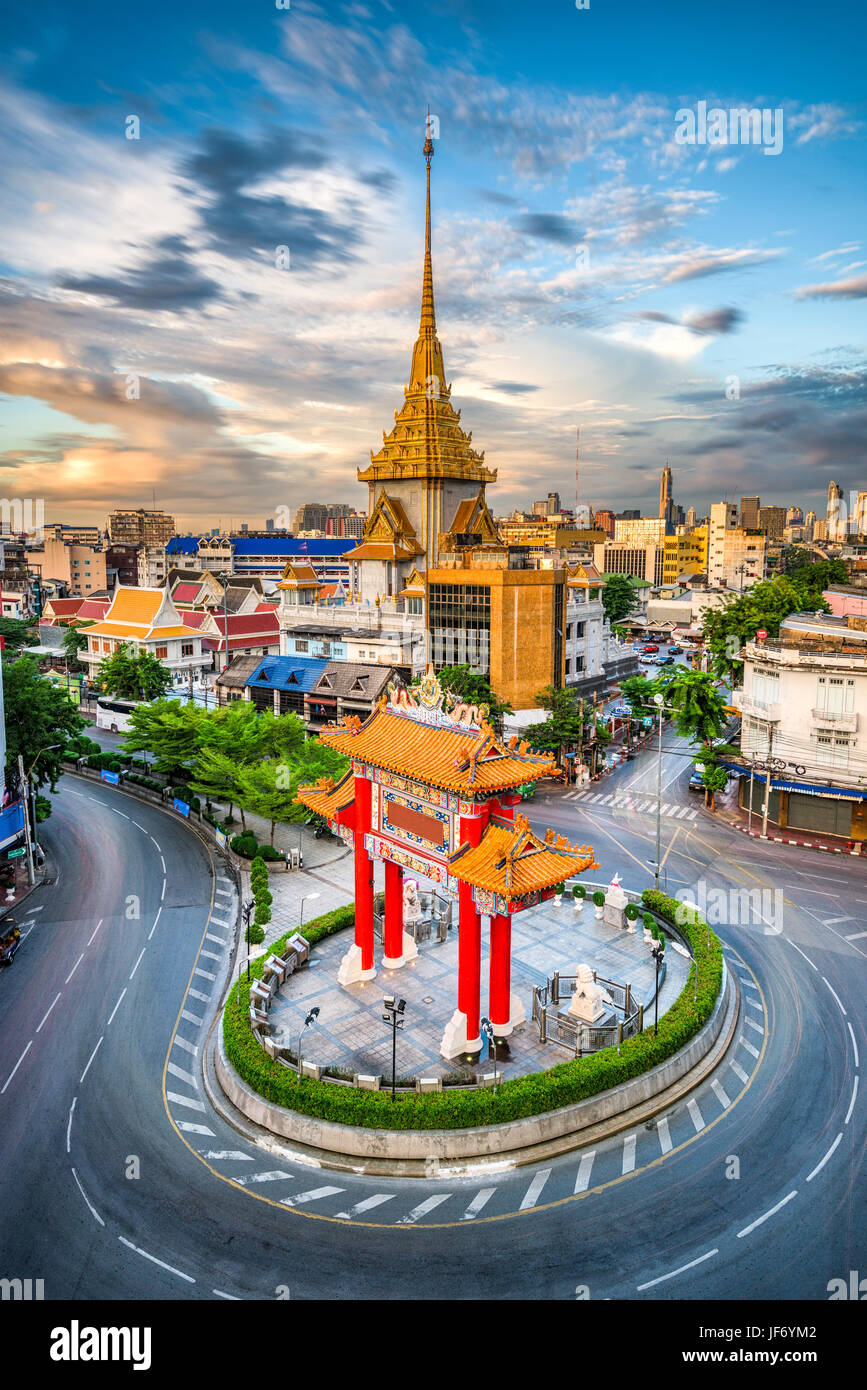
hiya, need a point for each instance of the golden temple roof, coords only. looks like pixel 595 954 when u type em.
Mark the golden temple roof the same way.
pixel 427 440
pixel 513 861
pixel 453 755
pixel 327 799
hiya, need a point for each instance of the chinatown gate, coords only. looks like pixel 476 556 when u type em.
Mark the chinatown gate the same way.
pixel 434 792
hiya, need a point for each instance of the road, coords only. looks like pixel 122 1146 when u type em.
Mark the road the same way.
pixel 120 1182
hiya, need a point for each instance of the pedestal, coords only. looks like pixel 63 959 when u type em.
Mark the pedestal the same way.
pixel 517 1014
pixel 455 1041
pixel 351 970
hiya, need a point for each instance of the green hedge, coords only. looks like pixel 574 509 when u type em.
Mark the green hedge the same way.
pixel 561 1085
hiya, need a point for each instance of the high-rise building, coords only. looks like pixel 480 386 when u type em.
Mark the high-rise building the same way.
pixel 736 555
pixel 684 555
pixel 794 516
pixel 834 515
pixel 643 561
pixel 690 518
pixel 310 516
pixel 666 498
pixel 772 521
pixel 140 527
pixel 604 520
pixel 81 568
pixel 646 530
pixel 68 531
pixel 810 526
pixel 553 503
pixel 750 512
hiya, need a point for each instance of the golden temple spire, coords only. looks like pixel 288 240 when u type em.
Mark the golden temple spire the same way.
pixel 428 315
pixel 427 372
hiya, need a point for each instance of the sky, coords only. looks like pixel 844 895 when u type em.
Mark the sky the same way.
pixel 218 315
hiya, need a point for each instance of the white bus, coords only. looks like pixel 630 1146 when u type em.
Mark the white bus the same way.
pixel 114 714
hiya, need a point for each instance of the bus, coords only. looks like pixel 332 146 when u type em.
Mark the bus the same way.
pixel 114 714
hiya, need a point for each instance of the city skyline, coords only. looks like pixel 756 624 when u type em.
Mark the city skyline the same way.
pixel 590 269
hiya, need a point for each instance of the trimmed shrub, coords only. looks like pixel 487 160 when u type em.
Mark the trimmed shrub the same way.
pixel 631 912
pixel 598 898
pixel 264 895
pixel 270 853
pixel 255 934
pixel 560 889
pixel 579 891
pixel 245 844
pixel 647 922
pixel 456 1107
pixel 262 915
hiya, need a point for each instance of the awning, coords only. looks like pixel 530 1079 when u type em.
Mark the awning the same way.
pixel 808 788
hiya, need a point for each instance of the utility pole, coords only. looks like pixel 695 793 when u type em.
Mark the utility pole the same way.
pixel 190 669
pixel 767 782
pixel 25 803
pixel 658 800
pixel 752 779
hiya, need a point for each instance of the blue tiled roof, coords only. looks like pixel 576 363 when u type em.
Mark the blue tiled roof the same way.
pixel 182 545
pixel 331 545
pixel 287 673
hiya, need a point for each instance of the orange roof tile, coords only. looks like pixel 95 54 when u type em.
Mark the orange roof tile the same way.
pixel 382 550
pixel 326 799
pixel 120 631
pixel 512 861
pixel 135 605
pixel 455 758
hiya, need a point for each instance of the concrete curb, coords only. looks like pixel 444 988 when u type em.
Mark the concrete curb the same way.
pixel 723 818
pixel 410 1153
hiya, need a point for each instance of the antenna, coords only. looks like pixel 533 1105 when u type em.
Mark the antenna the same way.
pixel 577 453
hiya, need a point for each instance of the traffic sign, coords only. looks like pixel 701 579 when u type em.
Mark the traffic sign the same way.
pixel 761 633
pixel 15 853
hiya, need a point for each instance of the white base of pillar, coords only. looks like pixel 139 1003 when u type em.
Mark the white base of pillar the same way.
pixel 410 951
pixel 350 972
pixel 455 1040
pixel 517 1015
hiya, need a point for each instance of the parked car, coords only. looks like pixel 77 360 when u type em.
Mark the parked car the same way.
pixel 675 650
pixel 647 660
pixel 651 647
pixel 10 940
pixel 665 661
pixel 696 782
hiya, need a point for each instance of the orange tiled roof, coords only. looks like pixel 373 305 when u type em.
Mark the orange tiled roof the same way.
pixel 326 799
pixel 121 632
pixel 513 861
pixel 455 758
pixel 383 550
pixel 135 605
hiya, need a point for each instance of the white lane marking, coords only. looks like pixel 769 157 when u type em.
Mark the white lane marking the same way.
pixel 752 1226
pixel 218 922
pixel 856 935
pixel 196 994
pixel 695 1115
pixel 801 953
pixel 819 1166
pixel 751 1023
pixel 314 1195
pixel 367 1205
pixel 182 1075
pixel 155 842
pixel 17 1065
pixel 120 813
pixel 95 930
pixel 755 1004
pixel 852 1102
pixel 184 1100
pixel 74 968
pixel 138 962
pixel 162 1264
pixel 854 1044
pixel 221 940
pixel 25 935
pixel 50 1007
pixel 531 1196
pixel 210 955
pixel 836 996
pixel 140 826
pixel 233 1296
pixel 187 1046
pixel 41 908
pixel 754 1051
pixel 191 1018
pixel 163 862
pixel 207 974
pixel 582 1182
pixel 423 1208
pixel 628 1154
pixel 720 1094
pixel 273 1176
pixel 154 927
pixel 163 893
pixel 229 1153
pixel 664 1135
pixel 116 1007
pixel 832 921
pixel 739 1072
pixel 749 984
pixel 92 1209
pixel 222 893
pixel 92 1055
pixel 195 1129
pixel 692 1264
pixel 69 1125
pixel 480 1200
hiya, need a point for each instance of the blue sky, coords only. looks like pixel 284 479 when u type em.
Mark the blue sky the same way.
pixel 589 269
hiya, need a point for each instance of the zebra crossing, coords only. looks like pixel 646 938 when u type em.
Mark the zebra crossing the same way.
pixel 634 802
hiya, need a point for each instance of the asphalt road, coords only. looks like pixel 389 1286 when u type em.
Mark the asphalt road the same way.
pixel 119 1181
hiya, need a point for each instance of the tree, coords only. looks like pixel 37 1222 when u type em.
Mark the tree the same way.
pixel 234 738
pixel 170 731
pixel 699 709
pixel 215 777
pixel 618 598
pixel 714 779
pixel 474 689
pixel 638 693
pixel 139 677
pixel 812 572
pixel 38 714
pixel 565 726
pixel 17 634
pixel 264 792
pixel 728 629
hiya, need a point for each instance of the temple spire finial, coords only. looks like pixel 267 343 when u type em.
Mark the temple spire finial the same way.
pixel 428 315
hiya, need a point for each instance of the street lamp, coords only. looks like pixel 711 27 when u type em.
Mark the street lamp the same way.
pixel 29 801
pixel 306 898
pixel 488 1029
pixel 248 913
pixel 658 952
pixel 394 1010
pixel 309 1020
pixel 658 700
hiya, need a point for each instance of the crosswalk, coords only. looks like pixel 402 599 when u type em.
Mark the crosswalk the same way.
pixel 634 802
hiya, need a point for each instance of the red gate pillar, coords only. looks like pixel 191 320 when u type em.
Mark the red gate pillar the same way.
pixel 393 954
pixel 357 965
pixel 469 964
pixel 500 981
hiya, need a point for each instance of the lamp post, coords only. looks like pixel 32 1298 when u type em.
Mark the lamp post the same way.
pixel 248 913
pixel 306 898
pixel 308 1022
pixel 658 952
pixel 394 1011
pixel 27 798
pixel 658 701
pixel 488 1029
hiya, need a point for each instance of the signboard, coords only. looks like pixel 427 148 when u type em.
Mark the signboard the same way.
pixel 181 807
pixel 16 853
pixel 762 632
pixel 112 777
pixel 221 838
pixel 647 721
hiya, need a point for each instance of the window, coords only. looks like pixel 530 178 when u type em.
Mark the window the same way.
pixel 460 623
pixel 835 695
pixel 162 653
pixel 301 646
pixel 765 689
pixel 186 649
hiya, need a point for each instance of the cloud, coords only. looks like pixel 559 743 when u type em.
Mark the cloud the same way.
pixel 169 280
pixel 548 226
pixel 715 321
pixel 855 288
pixel 700 263
pixel 513 388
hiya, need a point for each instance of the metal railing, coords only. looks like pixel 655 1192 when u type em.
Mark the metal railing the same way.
pixel 436 918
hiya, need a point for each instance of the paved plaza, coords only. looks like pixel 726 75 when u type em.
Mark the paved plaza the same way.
pixel 350 1033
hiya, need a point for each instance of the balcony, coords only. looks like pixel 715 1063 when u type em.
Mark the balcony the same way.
pixel 755 709
pixel 845 722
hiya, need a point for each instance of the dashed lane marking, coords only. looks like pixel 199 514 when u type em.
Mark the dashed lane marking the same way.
pixel 208 974
pixel 533 1192
pixel 162 1264
pixel 182 1075
pixel 90 1205
pixel 17 1065
pixel 95 930
pixel 138 962
pixel 90 1059
pixel 836 996
pixel 758 1222
pixel 185 1100
pixel 154 927
pixel 754 1004
pixel 695 1115
pixel 221 940
pixel 854 1044
pixel 187 1046
pixel 195 1129
pixel 367 1205
pixel 819 1166
pixel 751 1023
pixel 48 1010
pixel 664 1135
pixel 314 1195
pixel 69 1124
pixel 856 935
pixel 210 955
pixel 585 1167
pixel 234 1154
pixel 852 1102
pixel 720 1094
pixel 692 1264
pixel 480 1200
pixel 116 1007
pixel 197 994
pixel 739 1072
pixel 423 1208
pixel 753 1051
pixel 628 1154
pixel 74 968
pixel 233 1296
pixel 191 1018
pixel 273 1175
